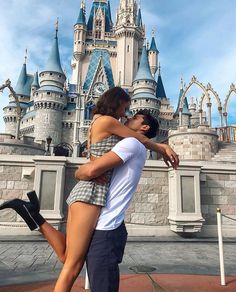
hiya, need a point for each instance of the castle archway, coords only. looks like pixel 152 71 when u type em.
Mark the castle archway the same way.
pixel 225 113
pixel 194 81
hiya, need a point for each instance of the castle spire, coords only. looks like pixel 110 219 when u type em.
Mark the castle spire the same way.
pixel 185 110
pixel 54 63
pixel 160 91
pixel 36 80
pixel 144 71
pixel 81 18
pixel 26 55
pixel 153 46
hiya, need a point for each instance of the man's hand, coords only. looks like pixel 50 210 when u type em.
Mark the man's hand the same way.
pixel 170 157
pixel 102 179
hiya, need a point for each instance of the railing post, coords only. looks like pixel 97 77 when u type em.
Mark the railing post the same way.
pixel 86 285
pixel 221 252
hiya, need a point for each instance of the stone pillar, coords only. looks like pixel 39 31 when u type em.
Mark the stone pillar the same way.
pixel 49 185
pixel 184 199
pixel 209 113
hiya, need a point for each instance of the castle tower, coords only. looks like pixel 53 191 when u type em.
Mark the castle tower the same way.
pixel 80 30
pixel 186 115
pixel 23 90
pixel 35 85
pixel 129 35
pixel 50 99
pixel 144 85
pixel 153 56
pixel 166 110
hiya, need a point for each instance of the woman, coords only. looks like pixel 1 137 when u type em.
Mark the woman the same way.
pixel 87 197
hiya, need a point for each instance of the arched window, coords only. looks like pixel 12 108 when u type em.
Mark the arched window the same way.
pixel 88 111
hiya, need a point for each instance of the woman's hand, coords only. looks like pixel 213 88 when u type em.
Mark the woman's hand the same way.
pixel 170 157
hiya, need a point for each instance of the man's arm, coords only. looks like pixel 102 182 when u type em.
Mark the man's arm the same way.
pixel 97 167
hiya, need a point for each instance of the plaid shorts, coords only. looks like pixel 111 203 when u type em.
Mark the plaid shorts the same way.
pixel 88 192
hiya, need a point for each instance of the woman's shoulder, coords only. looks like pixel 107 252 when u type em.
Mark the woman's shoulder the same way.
pixel 105 118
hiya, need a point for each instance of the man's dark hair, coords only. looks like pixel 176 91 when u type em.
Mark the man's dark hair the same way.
pixel 150 121
pixel 110 101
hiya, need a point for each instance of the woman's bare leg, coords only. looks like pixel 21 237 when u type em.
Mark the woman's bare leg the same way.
pixel 55 238
pixel 80 230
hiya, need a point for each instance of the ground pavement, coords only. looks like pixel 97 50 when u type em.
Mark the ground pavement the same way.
pixel 180 265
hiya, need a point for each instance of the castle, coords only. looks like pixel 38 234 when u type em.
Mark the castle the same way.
pixel 105 54
pixel 46 107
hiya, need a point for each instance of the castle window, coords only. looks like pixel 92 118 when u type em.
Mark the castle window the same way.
pixel 97 34
pixel 61 95
pixel 37 93
pixel 51 74
pixel 69 113
pixel 9 108
pixel 43 74
pixel 128 49
pixel 59 75
pixel 72 99
pixel 48 93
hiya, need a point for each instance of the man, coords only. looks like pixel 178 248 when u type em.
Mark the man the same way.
pixel 109 239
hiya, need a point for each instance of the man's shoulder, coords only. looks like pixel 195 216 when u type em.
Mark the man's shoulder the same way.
pixel 131 144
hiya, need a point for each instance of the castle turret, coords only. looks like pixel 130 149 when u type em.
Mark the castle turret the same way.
pixel 153 56
pixel 50 99
pixel 35 84
pixel 144 85
pixel 160 91
pixel 23 90
pixel 23 85
pixel 129 38
pixel 186 115
pixel 80 29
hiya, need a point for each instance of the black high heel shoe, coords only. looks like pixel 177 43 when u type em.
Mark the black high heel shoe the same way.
pixel 29 211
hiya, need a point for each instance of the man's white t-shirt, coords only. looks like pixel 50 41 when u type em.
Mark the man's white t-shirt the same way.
pixel 124 181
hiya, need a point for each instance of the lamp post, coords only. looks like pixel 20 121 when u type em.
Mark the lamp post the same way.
pixel 49 141
pixel 18 108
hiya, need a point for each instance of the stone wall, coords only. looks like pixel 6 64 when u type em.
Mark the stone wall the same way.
pixel 25 146
pixel 149 210
pixel 194 144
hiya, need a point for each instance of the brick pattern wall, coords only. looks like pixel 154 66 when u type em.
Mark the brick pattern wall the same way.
pixel 218 191
pixel 12 185
pixel 194 144
pixel 150 205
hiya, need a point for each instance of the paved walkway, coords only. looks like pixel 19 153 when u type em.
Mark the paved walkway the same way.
pixel 23 262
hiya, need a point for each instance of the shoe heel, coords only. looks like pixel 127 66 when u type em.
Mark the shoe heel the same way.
pixel 34 199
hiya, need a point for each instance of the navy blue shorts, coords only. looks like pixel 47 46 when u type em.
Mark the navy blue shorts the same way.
pixel 104 256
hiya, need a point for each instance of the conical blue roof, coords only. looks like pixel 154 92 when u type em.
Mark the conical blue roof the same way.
pixel 144 71
pixel 160 91
pixel 109 11
pixel 81 17
pixel 23 85
pixel 54 62
pixel 153 46
pixel 185 105
pixel 36 80
pixel 139 18
pixel 105 8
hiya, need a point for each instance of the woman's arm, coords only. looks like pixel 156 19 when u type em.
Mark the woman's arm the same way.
pixel 115 127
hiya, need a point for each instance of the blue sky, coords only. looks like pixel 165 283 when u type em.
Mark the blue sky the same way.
pixel 193 37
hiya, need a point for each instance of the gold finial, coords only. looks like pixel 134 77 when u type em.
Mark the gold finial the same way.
pixel 26 55
pixel 57 24
pixel 153 31
pixel 182 82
